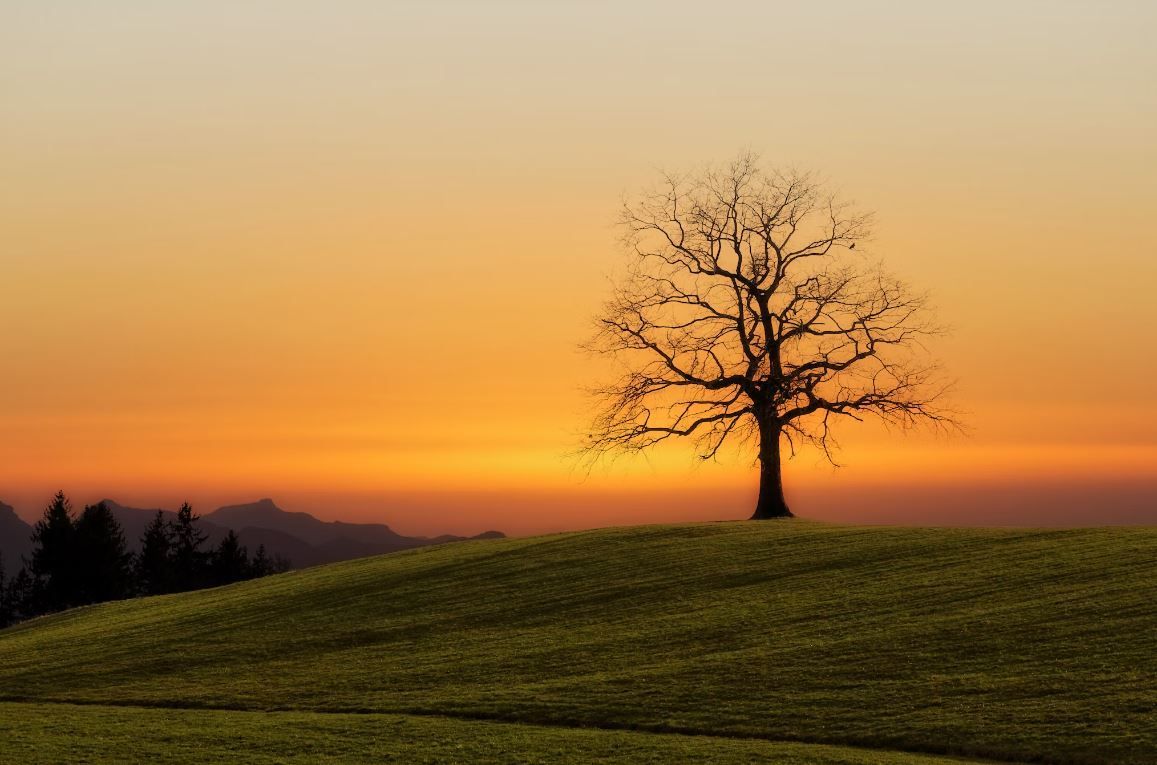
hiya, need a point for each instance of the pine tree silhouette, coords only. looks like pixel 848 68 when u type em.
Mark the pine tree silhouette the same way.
pixel 5 609
pixel 20 596
pixel 82 560
pixel 261 565
pixel 230 561
pixel 154 564
pixel 190 563
pixel 53 562
pixel 101 557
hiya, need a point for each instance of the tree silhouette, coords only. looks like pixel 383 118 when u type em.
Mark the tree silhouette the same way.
pixel 746 316
pixel 261 565
pixel 6 616
pixel 53 562
pixel 19 597
pixel 77 561
pixel 154 567
pixel 101 559
pixel 189 562
pixel 230 561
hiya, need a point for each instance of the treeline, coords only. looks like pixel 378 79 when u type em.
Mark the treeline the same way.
pixel 81 559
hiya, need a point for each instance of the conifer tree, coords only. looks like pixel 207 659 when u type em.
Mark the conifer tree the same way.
pixel 5 609
pixel 101 558
pixel 189 561
pixel 230 561
pixel 261 565
pixel 20 597
pixel 53 562
pixel 154 564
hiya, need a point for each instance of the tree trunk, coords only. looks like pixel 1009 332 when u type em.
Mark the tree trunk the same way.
pixel 771 503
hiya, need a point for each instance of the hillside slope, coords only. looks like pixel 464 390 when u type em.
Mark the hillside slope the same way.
pixel 50 734
pixel 1016 645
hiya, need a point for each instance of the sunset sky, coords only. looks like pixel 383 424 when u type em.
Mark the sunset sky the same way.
pixel 342 253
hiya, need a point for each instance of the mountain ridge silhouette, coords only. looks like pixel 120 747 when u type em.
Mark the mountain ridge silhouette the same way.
pixel 300 538
pixel 15 539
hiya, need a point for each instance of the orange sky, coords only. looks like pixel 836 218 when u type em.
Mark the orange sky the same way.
pixel 341 254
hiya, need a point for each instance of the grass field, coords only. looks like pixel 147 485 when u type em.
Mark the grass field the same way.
pixel 39 733
pixel 1019 646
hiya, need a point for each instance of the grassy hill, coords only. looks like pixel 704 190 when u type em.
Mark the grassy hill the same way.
pixel 41 734
pixel 1020 646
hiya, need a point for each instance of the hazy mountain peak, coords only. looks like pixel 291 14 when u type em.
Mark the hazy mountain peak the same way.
pixel 332 535
pixel 265 504
pixel 9 518
pixel 265 510
pixel 264 513
pixel 131 517
pixel 15 538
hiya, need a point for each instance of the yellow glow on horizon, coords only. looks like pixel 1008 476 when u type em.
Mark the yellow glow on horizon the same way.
pixel 270 245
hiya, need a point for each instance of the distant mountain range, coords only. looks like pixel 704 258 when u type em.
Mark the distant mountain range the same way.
pixel 15 539
pixel 298 537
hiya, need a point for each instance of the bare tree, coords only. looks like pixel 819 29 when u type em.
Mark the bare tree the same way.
pixel 747 316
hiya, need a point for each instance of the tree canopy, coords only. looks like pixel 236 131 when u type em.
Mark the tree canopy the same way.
pixel 751 313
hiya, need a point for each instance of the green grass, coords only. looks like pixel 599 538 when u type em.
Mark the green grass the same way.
pixel 38 733
pixel 1015 645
